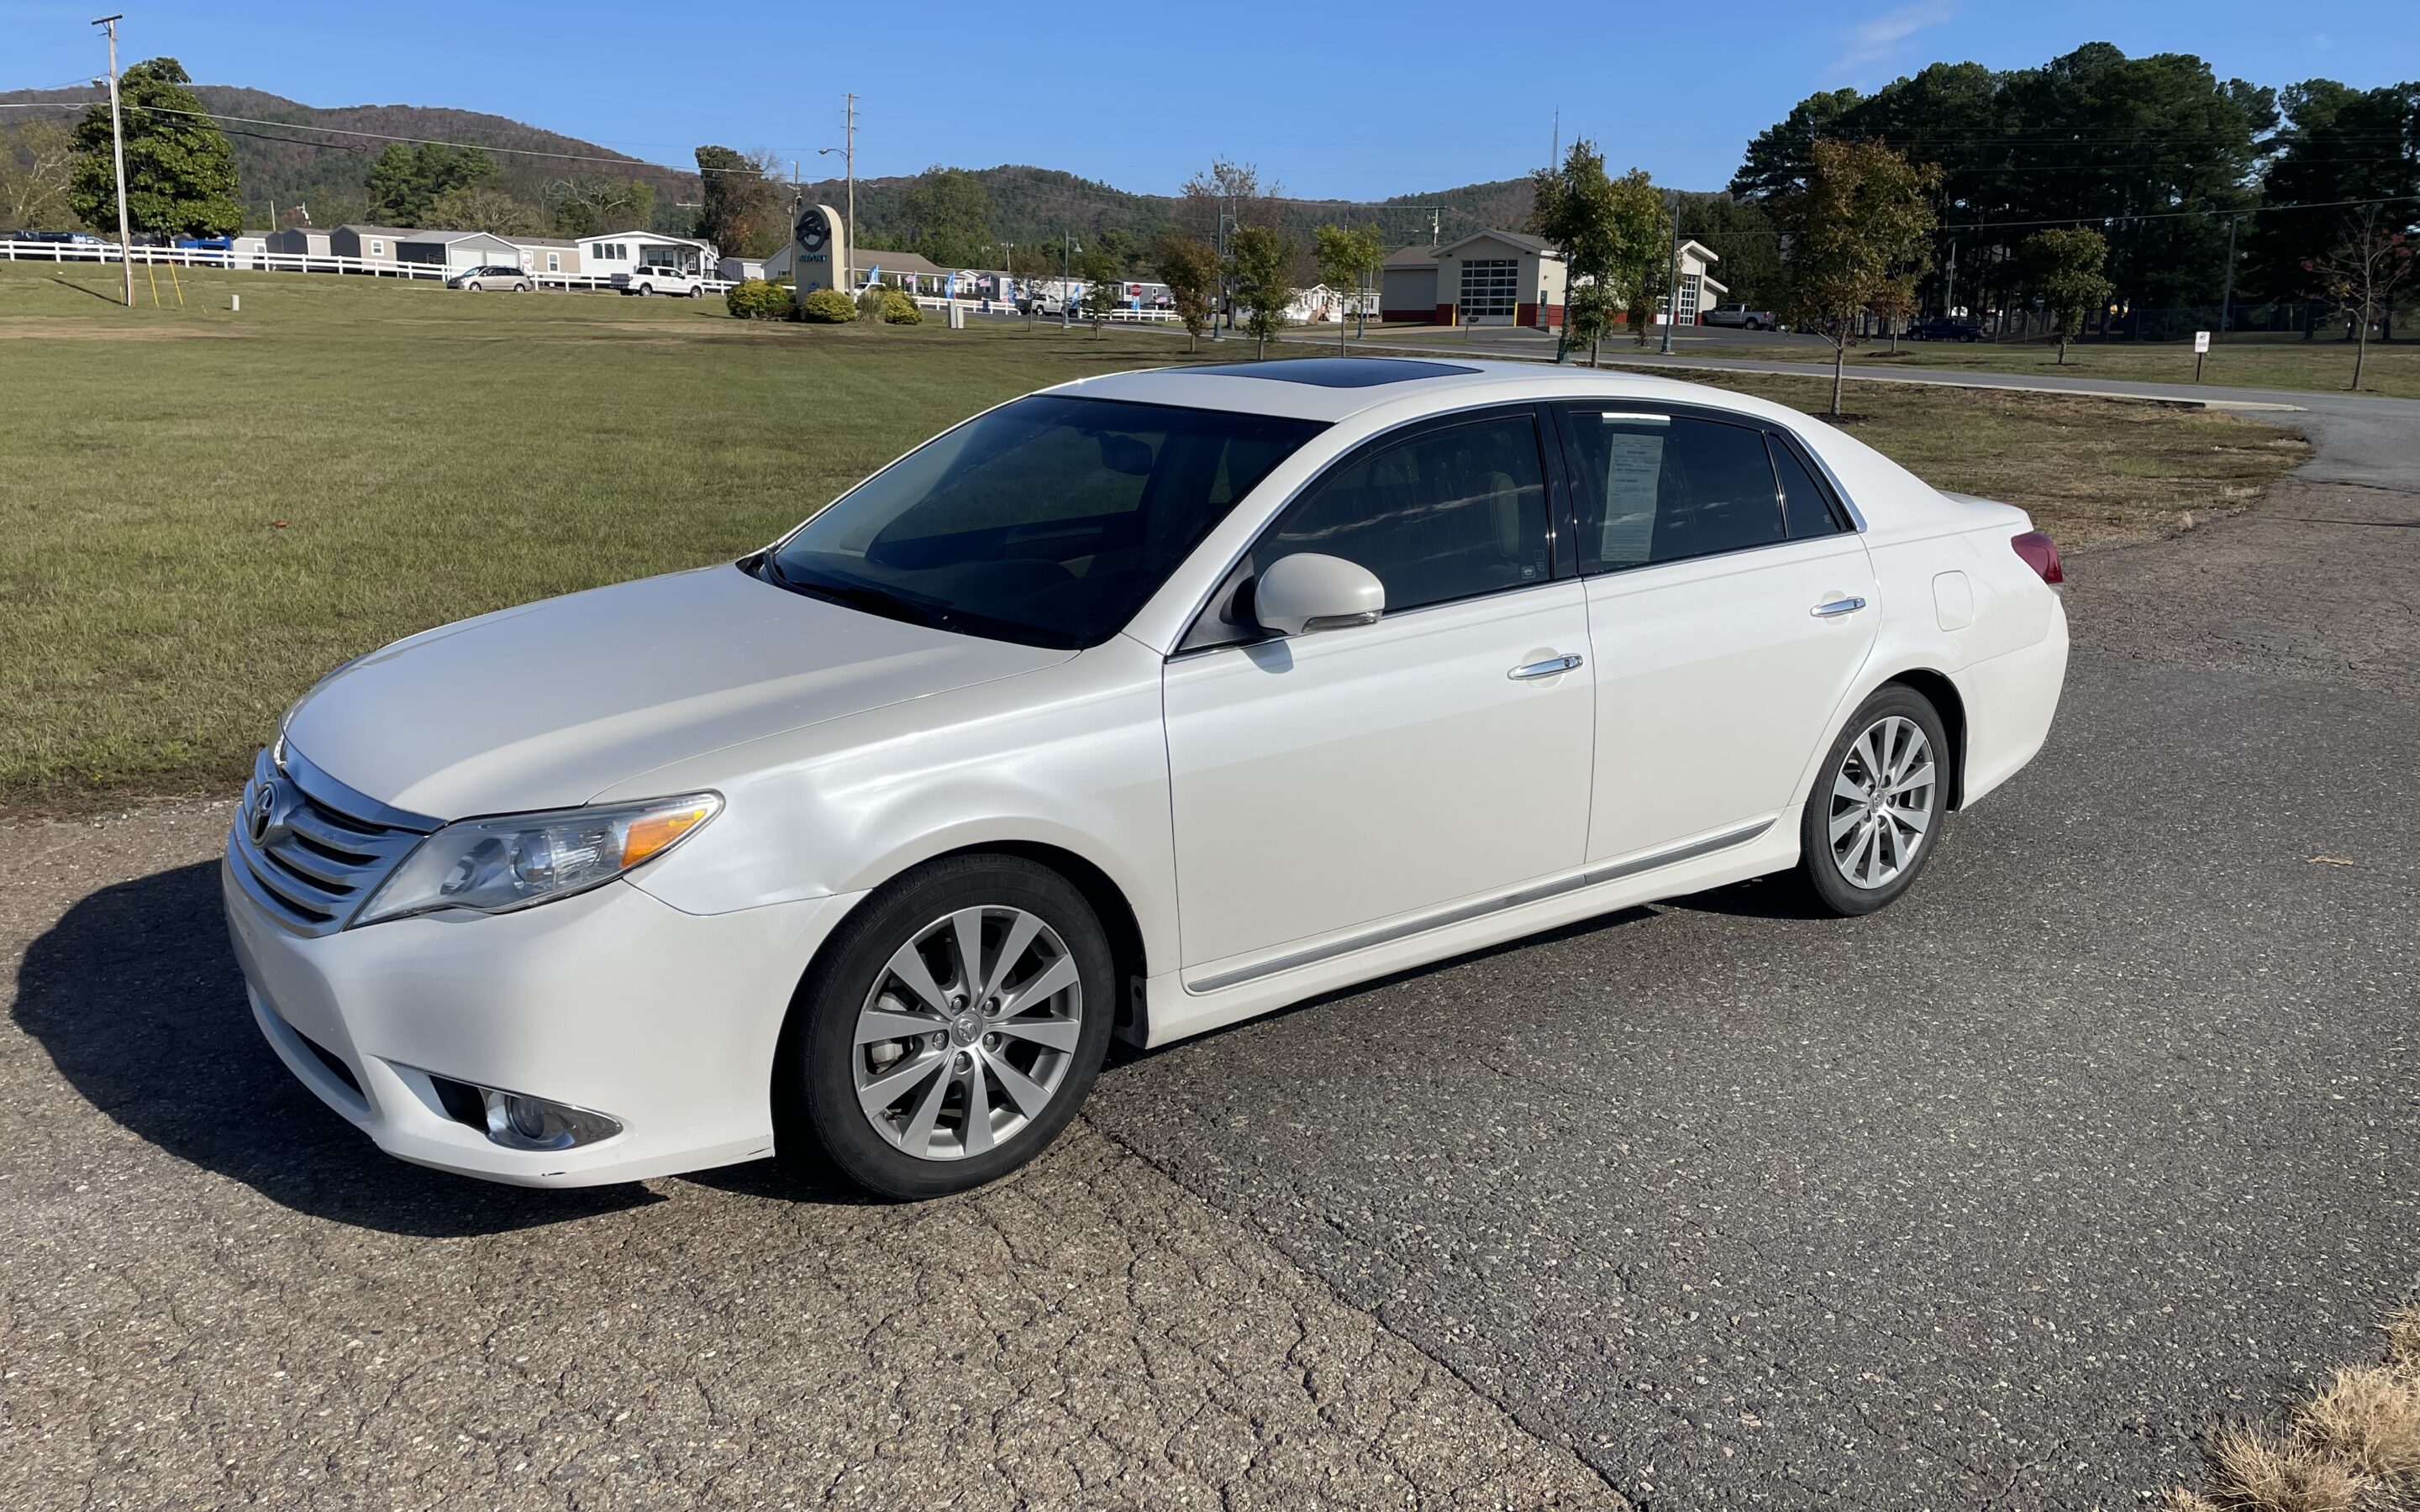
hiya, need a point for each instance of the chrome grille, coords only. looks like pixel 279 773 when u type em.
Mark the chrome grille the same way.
pixel 310 850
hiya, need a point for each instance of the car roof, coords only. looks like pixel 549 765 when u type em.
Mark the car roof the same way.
pixel 1337 388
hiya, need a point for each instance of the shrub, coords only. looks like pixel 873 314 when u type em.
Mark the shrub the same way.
pixel 758 299
pixel 869 302
pixel 828 307
pixel 898 309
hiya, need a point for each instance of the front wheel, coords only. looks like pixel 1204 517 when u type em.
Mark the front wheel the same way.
pixel 1879 804
pixel 949 1030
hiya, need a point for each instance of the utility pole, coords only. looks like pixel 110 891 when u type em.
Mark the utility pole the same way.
pixel 849 160
pixel 1066 266
pixel 118 147
pixel 1950 282
pixel 1672 290
pixel 2227 298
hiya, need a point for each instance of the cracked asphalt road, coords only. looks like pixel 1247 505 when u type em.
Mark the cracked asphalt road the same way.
pixel 1997 1198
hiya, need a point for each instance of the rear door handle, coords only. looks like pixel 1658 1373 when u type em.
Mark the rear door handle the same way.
pixel 1836 608
pixel 1547 668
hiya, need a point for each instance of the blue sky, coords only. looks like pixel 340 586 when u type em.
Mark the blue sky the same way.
pixel 1442 94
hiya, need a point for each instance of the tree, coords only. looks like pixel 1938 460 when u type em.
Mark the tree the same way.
pixel 1260 263
pixel 2091 137
pixel 1227 189
pixel 180 170
pixel 1740 233
pixel 2364 272
pixel 2338 145
pixel 2064 268
pixel 948 215
pixel 1104 275
pixel 585 205
pixel 483 207
pixel 742 209
pixel 1611 233
pixel 1647 242
pixel 1190 270
pixel 37 160
pixel 1859 232
pixel 409 176
pixel 1347 261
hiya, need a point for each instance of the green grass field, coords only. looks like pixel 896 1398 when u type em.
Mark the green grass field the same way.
pixel 201 511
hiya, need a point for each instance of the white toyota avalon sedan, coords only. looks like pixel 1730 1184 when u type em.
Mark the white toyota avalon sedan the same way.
pixel 1133 707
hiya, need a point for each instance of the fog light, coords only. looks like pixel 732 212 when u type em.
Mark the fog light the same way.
pixel 518 1122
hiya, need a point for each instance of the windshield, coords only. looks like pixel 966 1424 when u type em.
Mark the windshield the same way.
pixel 1047 521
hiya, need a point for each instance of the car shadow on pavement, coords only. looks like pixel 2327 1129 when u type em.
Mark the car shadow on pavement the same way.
pixel 136 997
pixel 1780 896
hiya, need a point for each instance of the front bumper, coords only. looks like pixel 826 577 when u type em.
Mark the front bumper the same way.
pixel 611 1001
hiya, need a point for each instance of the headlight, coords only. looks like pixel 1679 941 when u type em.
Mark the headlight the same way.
pixel 494 866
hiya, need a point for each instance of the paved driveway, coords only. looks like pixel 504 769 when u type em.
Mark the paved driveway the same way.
pixel 2107 1131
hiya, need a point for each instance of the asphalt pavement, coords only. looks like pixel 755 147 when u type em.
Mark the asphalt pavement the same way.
pixel 2107 1132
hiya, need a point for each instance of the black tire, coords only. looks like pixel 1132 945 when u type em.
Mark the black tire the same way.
pixel 1819 867
pixel 816 1103
pixel 645 289
pixel 697 291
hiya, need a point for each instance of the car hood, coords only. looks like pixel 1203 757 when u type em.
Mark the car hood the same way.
pixel 549 705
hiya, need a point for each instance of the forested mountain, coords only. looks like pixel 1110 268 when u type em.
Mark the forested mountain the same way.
pixel 327 171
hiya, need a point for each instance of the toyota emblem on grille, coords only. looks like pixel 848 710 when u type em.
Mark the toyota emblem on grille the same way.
pixel 262 821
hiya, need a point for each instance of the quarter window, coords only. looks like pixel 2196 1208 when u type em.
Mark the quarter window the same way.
pixel 1803 504
pixel 1667 487
pixel 1448 513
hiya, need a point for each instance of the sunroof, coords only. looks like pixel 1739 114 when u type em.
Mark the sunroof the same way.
pixel 1338 372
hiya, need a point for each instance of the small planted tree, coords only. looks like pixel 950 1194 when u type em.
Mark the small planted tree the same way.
pixel 2362 274
pixel 2065 269
pixel 1348 260
pixel 1859 232
pixel 1609 231
pixel 1260 275
pixel 1190 270
pixel 1104 274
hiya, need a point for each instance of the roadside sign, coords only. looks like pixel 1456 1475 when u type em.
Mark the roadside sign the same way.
pixel 2201 342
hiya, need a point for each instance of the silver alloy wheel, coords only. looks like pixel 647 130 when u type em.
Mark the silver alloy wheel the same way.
pixel 967 1033
pixel 1883 800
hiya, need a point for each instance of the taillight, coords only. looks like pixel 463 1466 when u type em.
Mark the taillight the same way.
pixel 2041 555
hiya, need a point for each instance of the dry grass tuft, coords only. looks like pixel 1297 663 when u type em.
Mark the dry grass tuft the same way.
pixel 2403 1336
pixel 2369 1418
pixel 2178 1499
pixel 2253 1470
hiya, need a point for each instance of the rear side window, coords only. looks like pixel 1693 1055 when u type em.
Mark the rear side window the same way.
pixel 1448 513
pixel 1803 504
pixel 1668 487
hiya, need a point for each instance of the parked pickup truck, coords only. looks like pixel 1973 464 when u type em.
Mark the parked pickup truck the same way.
pixel 660 280
pixel 1740 315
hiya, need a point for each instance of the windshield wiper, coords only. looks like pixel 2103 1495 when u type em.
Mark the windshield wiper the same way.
pixel 865 597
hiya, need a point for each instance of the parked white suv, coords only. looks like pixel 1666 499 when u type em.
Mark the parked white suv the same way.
pixel 659 279
pixel 1133 707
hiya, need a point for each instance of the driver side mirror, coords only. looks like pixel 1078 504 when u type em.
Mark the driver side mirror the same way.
pixel 1304 593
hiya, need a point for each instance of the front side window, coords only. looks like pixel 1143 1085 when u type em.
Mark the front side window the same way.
pixel 1452 512
pixel 1047 521
pixel 1657 487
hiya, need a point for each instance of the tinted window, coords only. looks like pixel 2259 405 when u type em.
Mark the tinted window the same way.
pixel 1448 513
pixel 1664 488
pixel 1049 521
pixel 1803 504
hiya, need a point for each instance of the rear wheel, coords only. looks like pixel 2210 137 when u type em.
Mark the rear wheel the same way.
pixel 949 1030
pixel 645 289
pixel 1879 804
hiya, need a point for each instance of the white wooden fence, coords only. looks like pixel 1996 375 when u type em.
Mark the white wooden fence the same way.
pixel 287 262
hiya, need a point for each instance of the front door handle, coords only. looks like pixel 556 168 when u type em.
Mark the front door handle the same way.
pixel 1836 608
pixel 1547 668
